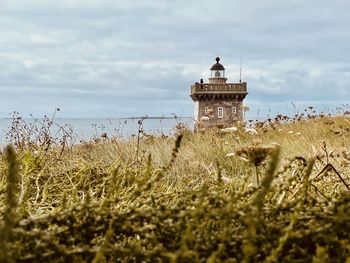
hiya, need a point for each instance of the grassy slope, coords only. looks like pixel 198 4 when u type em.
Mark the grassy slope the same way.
pixel 196 202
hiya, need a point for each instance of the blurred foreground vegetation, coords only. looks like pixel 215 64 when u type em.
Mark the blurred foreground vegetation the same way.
pixel 275 193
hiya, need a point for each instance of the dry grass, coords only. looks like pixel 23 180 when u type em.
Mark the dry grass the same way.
pixel 280 195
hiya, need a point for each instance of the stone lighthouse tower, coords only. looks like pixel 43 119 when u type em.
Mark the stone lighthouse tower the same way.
pixel 218 103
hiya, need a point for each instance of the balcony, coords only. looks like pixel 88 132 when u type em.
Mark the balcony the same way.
pixel 207 88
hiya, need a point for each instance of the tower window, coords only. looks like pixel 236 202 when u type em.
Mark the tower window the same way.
pixel 220 112
pixel 206 109
pixel 234 110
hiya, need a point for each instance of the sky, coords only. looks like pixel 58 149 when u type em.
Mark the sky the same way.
pixel 113 58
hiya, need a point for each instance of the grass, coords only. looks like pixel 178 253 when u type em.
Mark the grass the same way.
pixel 281 195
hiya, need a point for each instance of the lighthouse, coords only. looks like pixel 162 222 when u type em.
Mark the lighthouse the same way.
pixel 218 103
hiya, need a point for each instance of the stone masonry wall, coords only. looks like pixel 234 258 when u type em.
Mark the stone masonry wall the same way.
pixel 229 118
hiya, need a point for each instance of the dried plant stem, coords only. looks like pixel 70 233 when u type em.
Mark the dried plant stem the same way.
pixel 307 176
pixel 252 220
pixel 329 166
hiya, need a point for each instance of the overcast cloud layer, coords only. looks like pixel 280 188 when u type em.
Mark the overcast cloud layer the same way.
pixel 112 58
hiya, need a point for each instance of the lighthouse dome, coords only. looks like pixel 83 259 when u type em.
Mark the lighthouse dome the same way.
pixel 217 65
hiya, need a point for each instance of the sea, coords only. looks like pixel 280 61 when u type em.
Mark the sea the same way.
pixel 86 129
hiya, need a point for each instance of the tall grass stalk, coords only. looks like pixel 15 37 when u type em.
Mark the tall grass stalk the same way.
pixel 11 203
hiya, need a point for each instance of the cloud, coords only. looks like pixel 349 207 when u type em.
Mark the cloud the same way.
pixel 122 58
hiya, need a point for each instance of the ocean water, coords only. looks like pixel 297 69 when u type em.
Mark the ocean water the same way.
pixel 85 129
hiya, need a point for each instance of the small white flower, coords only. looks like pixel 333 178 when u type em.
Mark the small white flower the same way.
pixel 227 130
pixel 250 131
